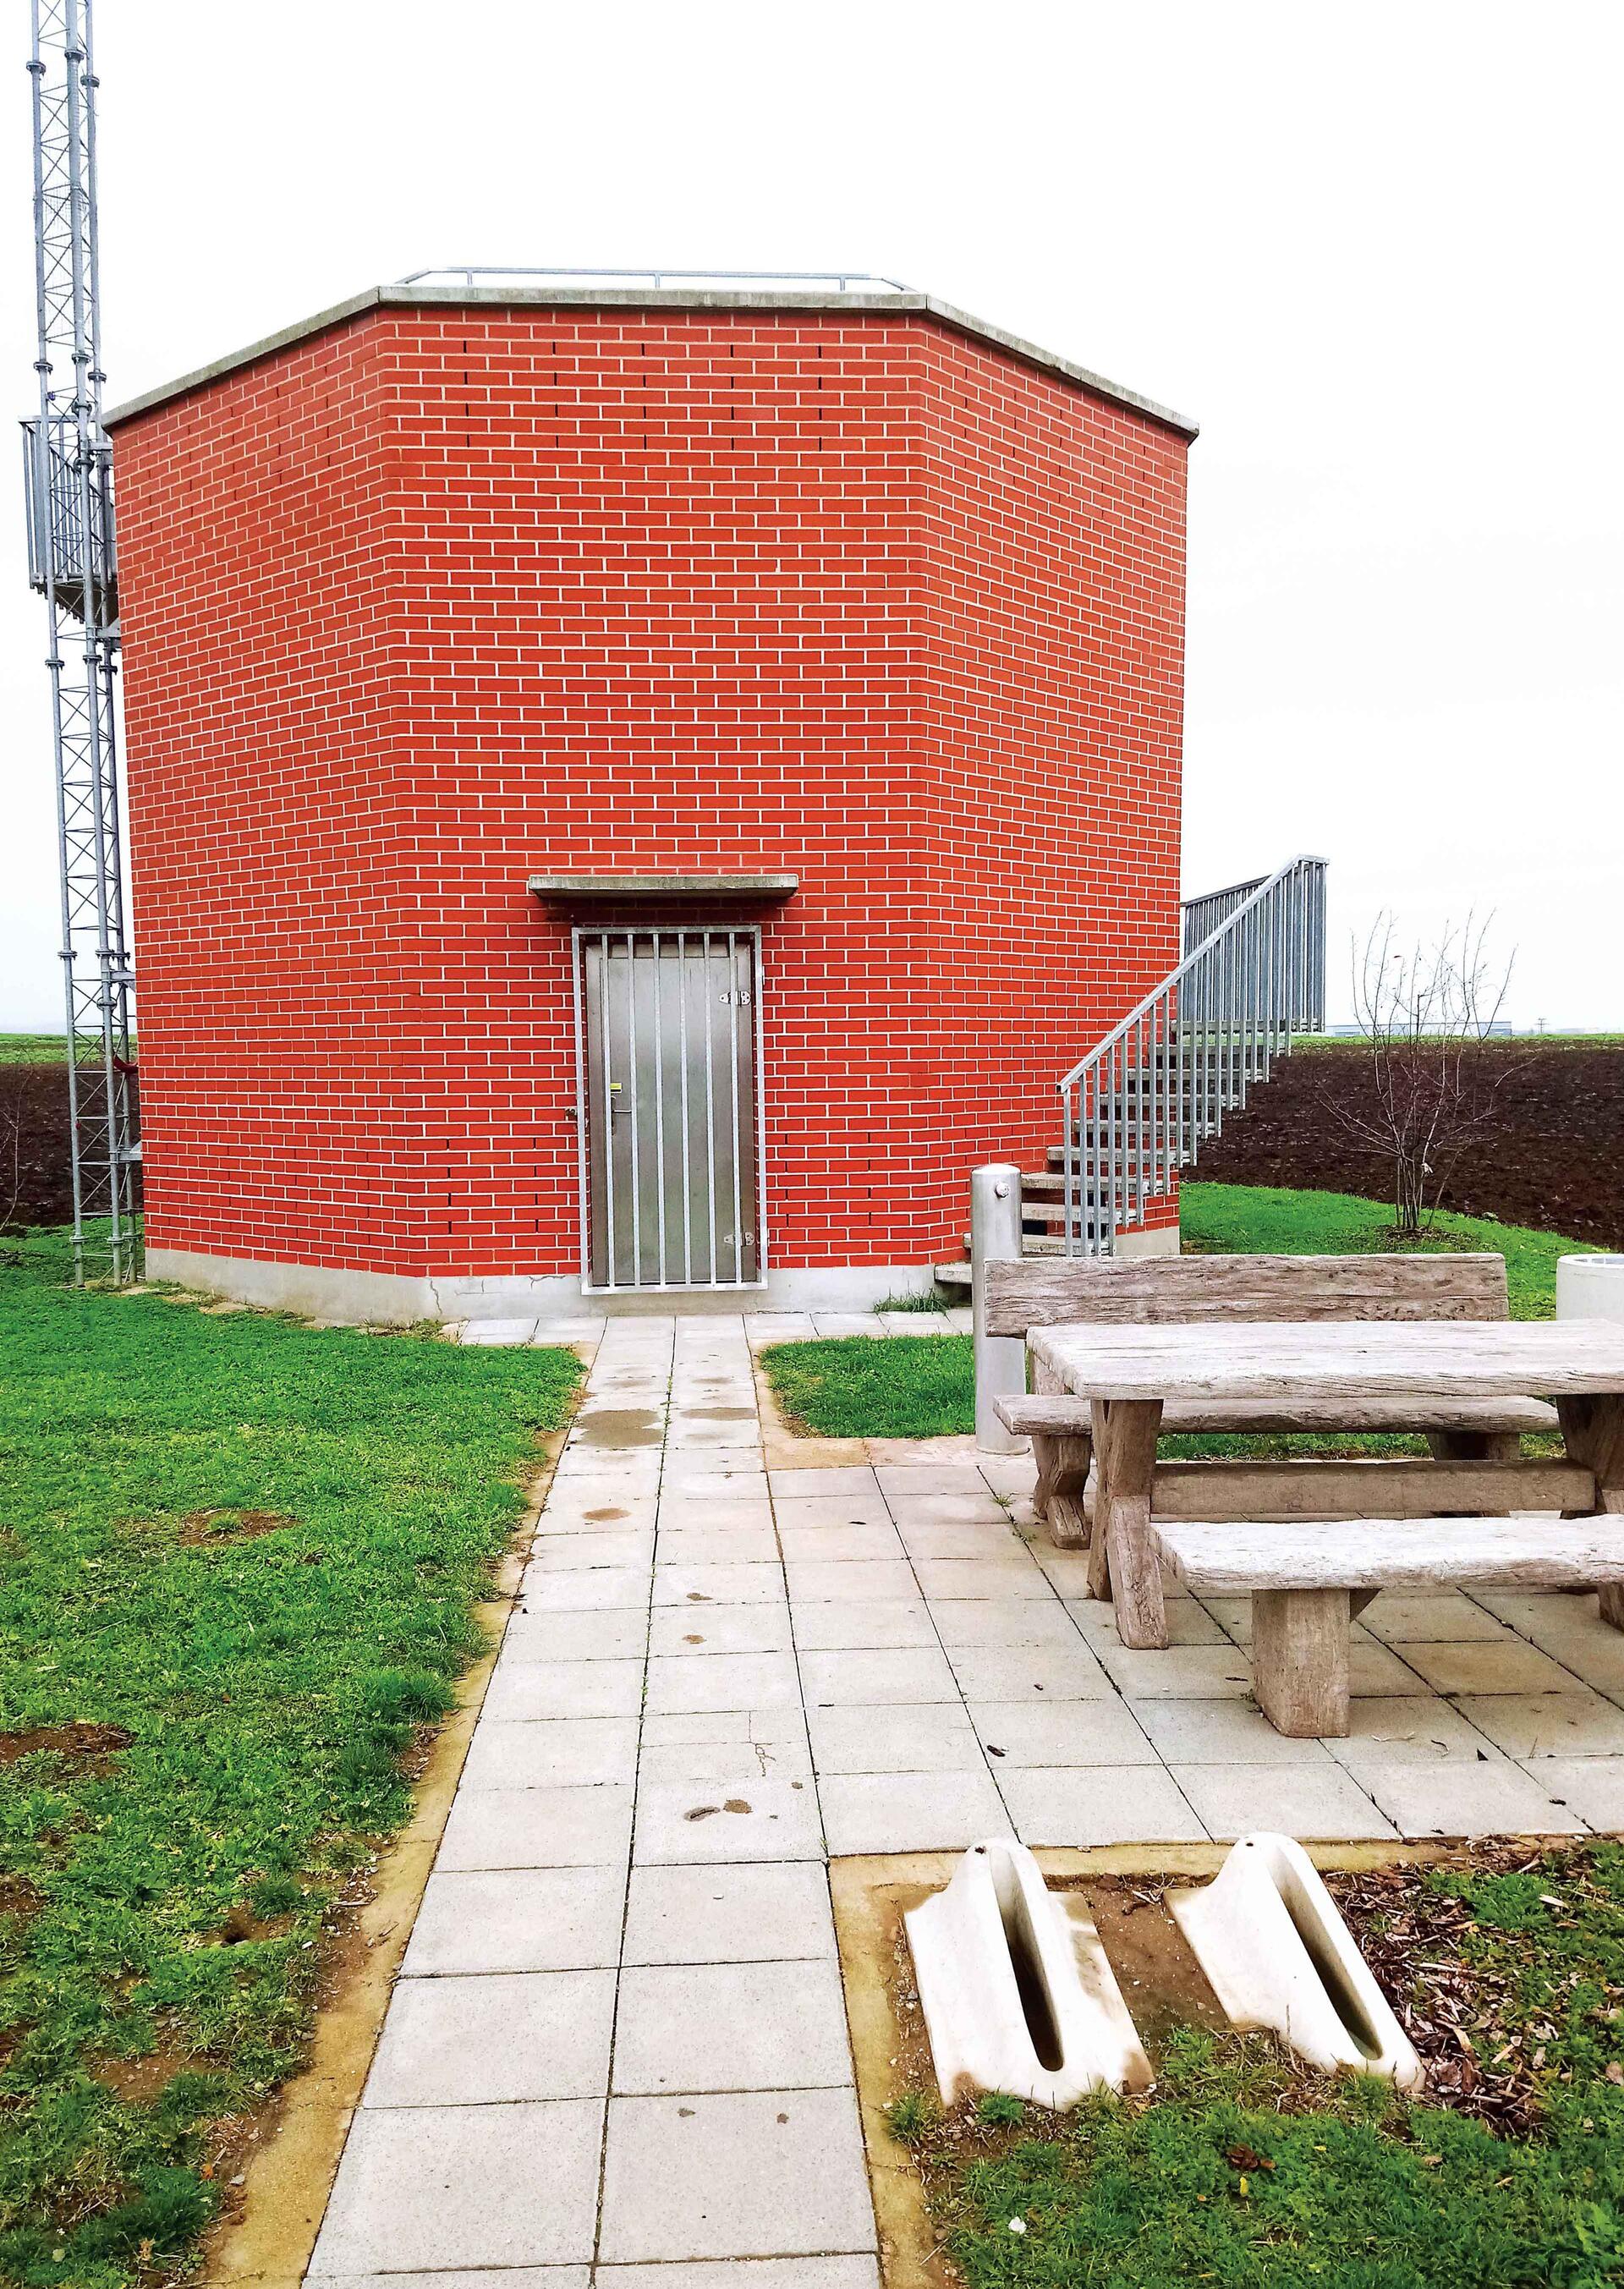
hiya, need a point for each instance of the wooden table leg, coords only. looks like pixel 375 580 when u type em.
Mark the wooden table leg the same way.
pixel 1592 1430
pixel 1125 1433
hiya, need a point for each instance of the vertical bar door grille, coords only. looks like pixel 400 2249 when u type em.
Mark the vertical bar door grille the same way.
pixel 669 1105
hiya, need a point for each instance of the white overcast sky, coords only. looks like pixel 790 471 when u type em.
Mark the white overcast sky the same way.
pixel 1373 249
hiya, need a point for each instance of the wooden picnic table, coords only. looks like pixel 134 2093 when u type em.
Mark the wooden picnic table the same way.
pixel 1130 1372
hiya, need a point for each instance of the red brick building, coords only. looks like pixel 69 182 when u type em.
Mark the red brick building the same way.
pixel 523 686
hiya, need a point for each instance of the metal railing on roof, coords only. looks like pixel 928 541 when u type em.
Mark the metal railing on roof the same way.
pixel 486 273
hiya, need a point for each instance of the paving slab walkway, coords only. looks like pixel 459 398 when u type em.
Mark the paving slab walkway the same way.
pixel 618 2042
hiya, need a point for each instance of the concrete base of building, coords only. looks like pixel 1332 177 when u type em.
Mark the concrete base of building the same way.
pixel 394 1299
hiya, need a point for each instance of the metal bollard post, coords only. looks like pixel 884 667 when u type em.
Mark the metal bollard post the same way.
pixel 1000 1360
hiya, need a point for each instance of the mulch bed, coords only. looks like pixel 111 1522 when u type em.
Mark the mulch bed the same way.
pixel 1555 1163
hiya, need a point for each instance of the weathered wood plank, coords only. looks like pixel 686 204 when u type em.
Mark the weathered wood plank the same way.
pixel 1125 1447
pixel 1290 1361
pixel 1425 1411
pixel 1594 1431
pixel 1039 1291
pixel 1300 1660
pixel 1228 1558
pixel 1309 1487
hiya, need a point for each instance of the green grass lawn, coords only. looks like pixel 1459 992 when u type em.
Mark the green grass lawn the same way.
pixel 33 1049
pixel 924 1386
pixel 240 1560
pixel 1242 2171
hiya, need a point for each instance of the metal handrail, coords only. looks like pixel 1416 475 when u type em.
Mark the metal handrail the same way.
pixel 1141 1103
pixel 467 273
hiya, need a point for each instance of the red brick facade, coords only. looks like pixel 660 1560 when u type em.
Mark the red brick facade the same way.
pixel 438 598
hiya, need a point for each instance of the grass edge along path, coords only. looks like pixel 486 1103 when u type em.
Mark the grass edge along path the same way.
pixel 1243 2169
pixel 923 1386
pixel 239 1559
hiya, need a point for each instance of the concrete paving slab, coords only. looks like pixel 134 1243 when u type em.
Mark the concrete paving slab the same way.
pixel 538 1828
pixel 1525 1725
pixel 1221 1733
pixel 1099 1804
pixel 1307 1801
pixel 531 1691
pixel 1592 1788
pixel 955 1539
pixel 438 2187
pixel 680 1683
pixel 1005 1580
pixel 718 1585
pixel 587 1590
pixel 910 1812
pixel 595 1548
pixel 967 1505
pixel 1179 1673
pixel 752 2174
pixel 1190 1622
pixel 1039 1673
pixel 1507 1665
pixel 567 1638
pixel 717 1545
pixel 732 2026
pixel 1430 1617
pixel 719 1629
pixel 841 1627
pixel 516 1919
pixel 565 1751
pixel 682 1823
pixel 895 1676
pixel 1415 1728
pixel 1457 1798
pixel 761 2273
pixel 858 1737
pixel 1029 1733
pixel 775 1911
pixel 841 1480
pixel 484 2041
pixel 845 1582
pixel 839 1544
pixel 962 1621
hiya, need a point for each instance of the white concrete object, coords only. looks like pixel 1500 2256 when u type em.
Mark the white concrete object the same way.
pixel 1590 1287
pixel 1277 1954
pixel 1000 1360
pixel 1017 1994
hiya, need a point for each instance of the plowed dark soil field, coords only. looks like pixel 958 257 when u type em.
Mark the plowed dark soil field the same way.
pixel 1555 1160
pixel 34 1145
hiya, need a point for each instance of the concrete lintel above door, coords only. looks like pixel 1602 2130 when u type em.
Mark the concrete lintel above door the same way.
pixel 578 889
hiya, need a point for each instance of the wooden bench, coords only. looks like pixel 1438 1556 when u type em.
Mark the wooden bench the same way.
pixel 1307 1581
pixel 1049 1291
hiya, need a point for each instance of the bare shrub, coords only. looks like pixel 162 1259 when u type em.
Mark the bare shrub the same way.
pixel 1424 1014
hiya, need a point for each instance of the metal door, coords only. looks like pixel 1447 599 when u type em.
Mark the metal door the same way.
pixel 668 1031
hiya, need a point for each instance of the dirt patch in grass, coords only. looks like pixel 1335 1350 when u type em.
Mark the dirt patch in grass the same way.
pixel 81 1739
pixel 200 1528
pixel 1556 1162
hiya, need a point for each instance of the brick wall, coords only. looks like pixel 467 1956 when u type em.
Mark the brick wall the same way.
pixel 438 598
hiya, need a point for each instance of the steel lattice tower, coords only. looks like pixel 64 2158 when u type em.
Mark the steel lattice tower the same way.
pixel 71 561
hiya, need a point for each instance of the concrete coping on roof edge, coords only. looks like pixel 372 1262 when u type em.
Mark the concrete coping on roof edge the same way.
pixel 664 298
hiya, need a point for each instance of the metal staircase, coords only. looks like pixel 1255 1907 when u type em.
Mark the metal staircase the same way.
pixel 1140 1106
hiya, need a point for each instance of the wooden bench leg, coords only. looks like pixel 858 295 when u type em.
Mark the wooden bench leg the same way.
pixel 1064 1464
pixel 1593 1431
pixel 1125 1433
pixel 1299 1660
